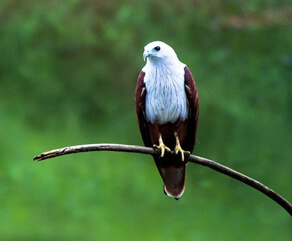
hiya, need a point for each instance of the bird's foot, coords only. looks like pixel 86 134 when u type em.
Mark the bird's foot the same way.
pixel 178 149
pixel 162 147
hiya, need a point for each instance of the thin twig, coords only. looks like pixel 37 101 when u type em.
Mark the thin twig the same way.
pixel 192 158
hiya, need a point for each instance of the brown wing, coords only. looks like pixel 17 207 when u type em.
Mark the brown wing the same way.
pixel 140 94
pixel 193 102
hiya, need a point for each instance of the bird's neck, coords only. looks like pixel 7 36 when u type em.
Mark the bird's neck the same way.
pixel 165 98
pixel 164 66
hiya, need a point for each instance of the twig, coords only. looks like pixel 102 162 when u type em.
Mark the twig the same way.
pixel 192 158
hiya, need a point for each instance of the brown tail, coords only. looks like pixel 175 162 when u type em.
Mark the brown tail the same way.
pixel 172 171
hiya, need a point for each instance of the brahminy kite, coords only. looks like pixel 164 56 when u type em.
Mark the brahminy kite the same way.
pixel 167 108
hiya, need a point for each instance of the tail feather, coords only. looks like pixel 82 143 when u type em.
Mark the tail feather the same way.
pixel 172 170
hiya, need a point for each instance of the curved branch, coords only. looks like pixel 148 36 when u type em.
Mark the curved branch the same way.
pixel 192 158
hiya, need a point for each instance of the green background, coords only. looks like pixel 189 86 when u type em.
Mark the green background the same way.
pixel 68 71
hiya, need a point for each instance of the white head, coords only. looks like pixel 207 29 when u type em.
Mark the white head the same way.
pixel 159 51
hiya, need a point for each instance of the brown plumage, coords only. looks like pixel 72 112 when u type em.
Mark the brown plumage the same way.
pixel 170 167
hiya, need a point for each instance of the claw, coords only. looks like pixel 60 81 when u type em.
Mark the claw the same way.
pixel 162 147
pixel 178 149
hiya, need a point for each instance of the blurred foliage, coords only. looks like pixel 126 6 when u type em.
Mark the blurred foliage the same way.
pixel 68 72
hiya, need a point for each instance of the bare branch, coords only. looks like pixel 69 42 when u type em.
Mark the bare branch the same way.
pixel 192 158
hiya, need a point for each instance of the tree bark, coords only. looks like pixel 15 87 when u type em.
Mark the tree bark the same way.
pixel 191 158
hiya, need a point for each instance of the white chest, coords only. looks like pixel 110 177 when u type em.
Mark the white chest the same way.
pixel 166 99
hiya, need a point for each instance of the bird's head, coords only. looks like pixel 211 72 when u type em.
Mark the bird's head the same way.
pixel 158 50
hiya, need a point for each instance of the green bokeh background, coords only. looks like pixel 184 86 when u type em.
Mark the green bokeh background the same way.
pixel 68 71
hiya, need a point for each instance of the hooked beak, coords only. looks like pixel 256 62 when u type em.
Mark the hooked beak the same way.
pixel 146 54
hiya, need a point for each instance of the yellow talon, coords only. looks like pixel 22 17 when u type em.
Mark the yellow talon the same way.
pixel 162 147
pixel 178 149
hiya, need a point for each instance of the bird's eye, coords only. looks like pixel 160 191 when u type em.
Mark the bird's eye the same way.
pixel 157 48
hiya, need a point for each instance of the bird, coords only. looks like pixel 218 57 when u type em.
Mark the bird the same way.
pixel 167 108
